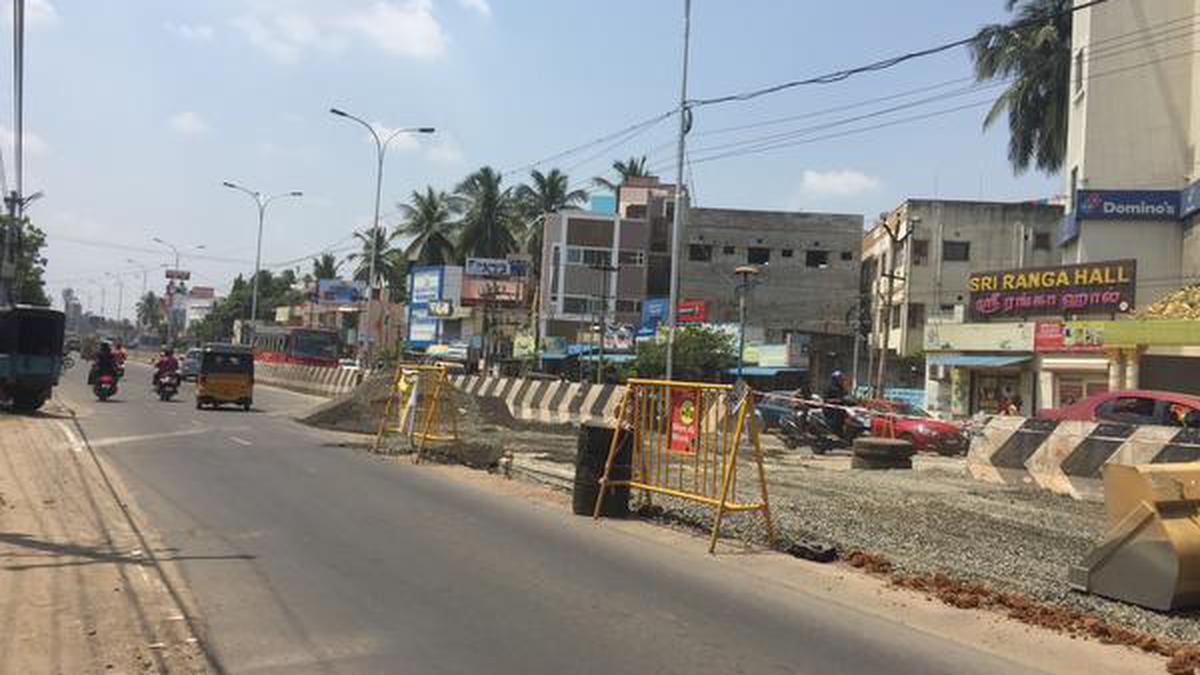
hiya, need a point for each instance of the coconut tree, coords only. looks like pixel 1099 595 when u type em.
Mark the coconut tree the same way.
pixel 1034 52
pixel 325 267
pixel 149 310
pixel 546 193
pixel 429 219
pixel 390 264
pixel 626 169
pixel 489 211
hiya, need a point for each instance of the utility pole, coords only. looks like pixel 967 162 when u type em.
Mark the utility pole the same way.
pixel 677 221
pixel 747 273
pixel 14 200
pixel 896 240
pixel 604 270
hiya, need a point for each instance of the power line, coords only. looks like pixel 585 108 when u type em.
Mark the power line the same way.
pixel 883 64
pixel 592 143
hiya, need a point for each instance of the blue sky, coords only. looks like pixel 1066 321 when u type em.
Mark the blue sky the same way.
pixel 137 110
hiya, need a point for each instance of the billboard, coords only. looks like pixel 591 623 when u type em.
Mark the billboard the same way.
pixel 1100 287
pixel 203 292
pixel 691 311
pixel 425 285
pixel 178 275
pixel 339 292
pixel 1127 205
pixel 487 267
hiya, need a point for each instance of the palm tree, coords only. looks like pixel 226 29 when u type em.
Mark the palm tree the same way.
pixel 1034 51
pixel 325 267
pixel 488 215
pixel 631 168
pixel 149 310
pixel 390 264
pixel 549 193
pixel 428 217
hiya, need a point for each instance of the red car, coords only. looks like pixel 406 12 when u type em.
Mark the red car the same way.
pixel 1132 407
pixel 913 424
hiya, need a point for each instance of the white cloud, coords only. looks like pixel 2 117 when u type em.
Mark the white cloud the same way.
pixel 480 6
pixel 837 183
pixel 192 32
pixel 187 122
pixel 34 145
pixel 406 29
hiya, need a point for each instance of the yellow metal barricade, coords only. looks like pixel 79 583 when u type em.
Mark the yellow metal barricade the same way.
pixel 686 437
pixel 420 406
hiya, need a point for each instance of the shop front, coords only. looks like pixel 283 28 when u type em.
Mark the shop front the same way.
pixel 1071 363
pixel 979 368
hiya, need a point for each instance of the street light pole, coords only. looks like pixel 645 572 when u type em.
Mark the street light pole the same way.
pixel 381 146
pixel 747 273
pixel 261 202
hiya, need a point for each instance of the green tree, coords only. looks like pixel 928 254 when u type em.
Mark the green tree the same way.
pixel 1034 52
pixel 546 193
pixel 489 212
pixel 150 311
pixel 631 168
pixel 429 218
pixel 30 284
pixel 701 354
pixel 325 267
pixel 390 263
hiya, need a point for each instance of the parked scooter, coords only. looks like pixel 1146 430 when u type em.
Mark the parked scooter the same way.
pixel 811 426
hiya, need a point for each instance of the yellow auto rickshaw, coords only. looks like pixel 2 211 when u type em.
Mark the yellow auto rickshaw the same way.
pixel 226 375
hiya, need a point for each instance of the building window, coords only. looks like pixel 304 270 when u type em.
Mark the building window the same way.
pixel 847 256
pixel 636 257
pixel 916 315
pixel 757 255
pixel 573 304
pixel 947 309
pixel 699 252
pixel 597 257
pixel 816 258
pixel 956 251
pixel 920 252
pixel 1041 241
pixel 728 250
pixel 629 306
pixel 895 312
pixel 786 253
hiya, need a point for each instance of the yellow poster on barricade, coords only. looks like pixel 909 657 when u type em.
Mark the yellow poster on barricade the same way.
pixel 420 407
pixel 685 442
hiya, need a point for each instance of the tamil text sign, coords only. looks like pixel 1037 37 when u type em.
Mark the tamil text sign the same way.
pixel 487 267
pixel 1101 287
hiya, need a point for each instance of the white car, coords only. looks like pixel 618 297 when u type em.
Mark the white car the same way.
pixel 349 364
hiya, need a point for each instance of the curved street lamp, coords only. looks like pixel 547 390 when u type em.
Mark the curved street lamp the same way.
pixel 261 201
pixel 381 145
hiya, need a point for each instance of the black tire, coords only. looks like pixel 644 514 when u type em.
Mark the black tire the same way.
pixel 790 443
pixel 28 401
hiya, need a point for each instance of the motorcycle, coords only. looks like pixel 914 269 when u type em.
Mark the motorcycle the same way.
pixel 811 426
pixel 105 387
pixel 167 385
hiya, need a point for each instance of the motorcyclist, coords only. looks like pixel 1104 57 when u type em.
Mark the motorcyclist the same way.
pixel 119 354
pixel 105 363
pixel 838 395
pixel 167 363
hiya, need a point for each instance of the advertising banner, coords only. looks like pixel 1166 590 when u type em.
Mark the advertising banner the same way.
pixel 1101 287
pixel 425 285
pixel 1056 336
pixel 179 275
pixel 685 419
pixel 340 292
pixel 654 312
pixel 692 311
pixel 487 267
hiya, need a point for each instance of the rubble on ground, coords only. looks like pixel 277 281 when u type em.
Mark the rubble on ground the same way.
pixel 1181 304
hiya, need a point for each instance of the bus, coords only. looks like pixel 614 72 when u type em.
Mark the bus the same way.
pixel 293 344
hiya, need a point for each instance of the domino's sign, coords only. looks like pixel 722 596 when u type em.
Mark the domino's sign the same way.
pixel 1128 205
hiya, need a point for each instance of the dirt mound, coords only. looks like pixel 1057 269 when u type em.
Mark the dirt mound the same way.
pixel 1181 304
pixel 357 411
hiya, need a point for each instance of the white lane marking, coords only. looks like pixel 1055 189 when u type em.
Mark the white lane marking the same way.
pixel 117 440
pixel 240 441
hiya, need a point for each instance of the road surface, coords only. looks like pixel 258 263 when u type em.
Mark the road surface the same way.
pixel 303 557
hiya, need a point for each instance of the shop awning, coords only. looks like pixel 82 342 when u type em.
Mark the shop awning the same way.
pixel 975 360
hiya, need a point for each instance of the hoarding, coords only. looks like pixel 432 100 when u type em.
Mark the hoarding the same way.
pixel 1100 287
pixel 425 285
pixel 1127 205
pixel 340 292
pixel 1060 337
pixel 178 275
pixel 487 267
pixel 691 311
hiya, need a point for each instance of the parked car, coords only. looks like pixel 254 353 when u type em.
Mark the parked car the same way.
pixel 349 364
pixel 914 424
pixel 1134 406
pixel 189 366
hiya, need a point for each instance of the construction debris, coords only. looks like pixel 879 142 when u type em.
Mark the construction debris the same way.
pixel 1181 304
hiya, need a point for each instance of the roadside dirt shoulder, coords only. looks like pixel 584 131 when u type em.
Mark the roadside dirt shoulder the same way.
pixel 79 592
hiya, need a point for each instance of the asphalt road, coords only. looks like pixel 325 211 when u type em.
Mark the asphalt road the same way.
pixel 302 557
